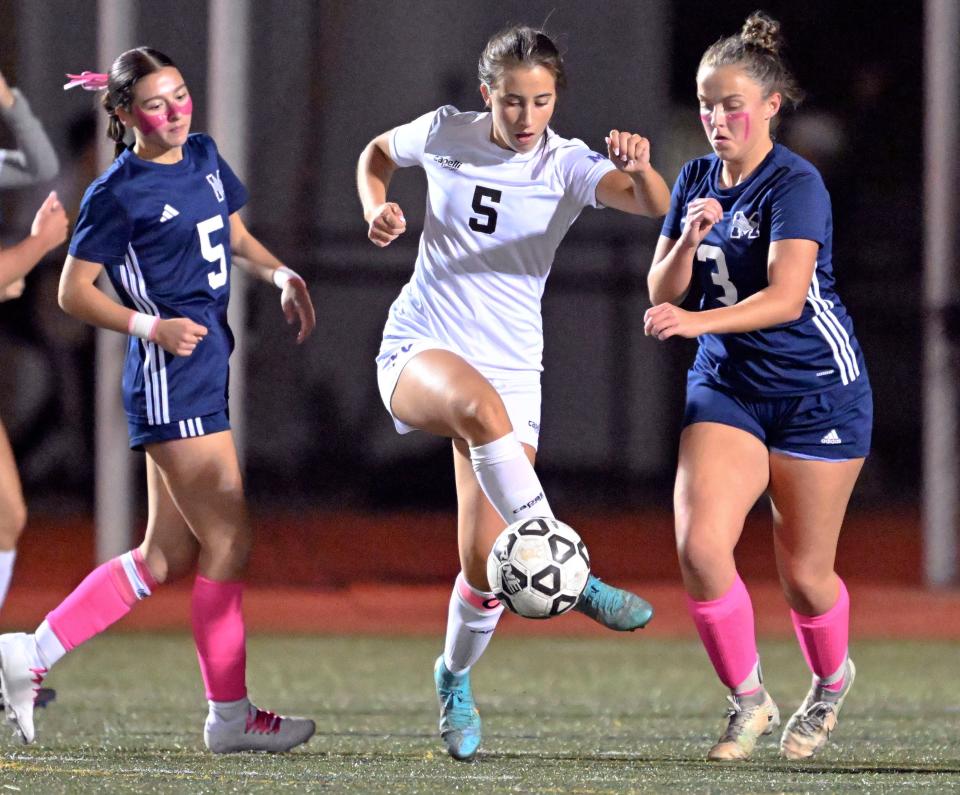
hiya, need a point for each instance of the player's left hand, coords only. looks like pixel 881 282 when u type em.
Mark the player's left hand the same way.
pixel 629 152
pixel 296 304
pixel 667 320
pixel 6 95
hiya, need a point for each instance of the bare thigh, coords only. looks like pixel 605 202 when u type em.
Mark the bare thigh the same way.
pixel 722 472
pixel 478 523
pixel 441 393
pixel 202 476
pixel 13 508
pixel 809 502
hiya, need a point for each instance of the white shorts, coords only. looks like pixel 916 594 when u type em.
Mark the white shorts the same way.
pixel 520 395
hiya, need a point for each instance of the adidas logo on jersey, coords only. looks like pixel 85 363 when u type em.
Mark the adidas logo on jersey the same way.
pixel 447 162
pixel 832 438
pixel 168 213
pixel 741 226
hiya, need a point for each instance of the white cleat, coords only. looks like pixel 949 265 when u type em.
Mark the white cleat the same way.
pixel 748 723
pixel 257 730
pixel 20 678
pixel 810 726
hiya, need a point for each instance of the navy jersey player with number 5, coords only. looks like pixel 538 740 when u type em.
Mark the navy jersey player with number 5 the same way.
pixel 778 399
pixel 162 222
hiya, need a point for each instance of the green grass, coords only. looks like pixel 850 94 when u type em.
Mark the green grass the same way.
pixel 628 714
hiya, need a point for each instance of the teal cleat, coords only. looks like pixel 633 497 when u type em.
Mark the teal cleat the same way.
pixel 613 607
pixel 459 719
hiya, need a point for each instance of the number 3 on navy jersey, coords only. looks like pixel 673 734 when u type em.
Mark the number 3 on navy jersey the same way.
pixel 213 253
pixel 488 223
pixel 721 276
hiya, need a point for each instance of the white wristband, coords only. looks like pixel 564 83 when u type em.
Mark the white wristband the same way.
pixel 283 274
pixel 143 326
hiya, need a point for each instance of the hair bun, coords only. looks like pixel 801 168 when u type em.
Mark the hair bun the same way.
pixel 761 31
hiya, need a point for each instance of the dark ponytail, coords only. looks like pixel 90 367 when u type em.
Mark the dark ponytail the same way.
pixel 127 69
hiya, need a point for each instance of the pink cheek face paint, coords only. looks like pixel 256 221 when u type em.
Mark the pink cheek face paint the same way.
pixel 739 124
pixel 150 122
pixel 705 120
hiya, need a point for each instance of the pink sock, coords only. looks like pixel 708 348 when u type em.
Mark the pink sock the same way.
pixel 217 616
pixel 824 640
pixel 103 598
pixel 726 629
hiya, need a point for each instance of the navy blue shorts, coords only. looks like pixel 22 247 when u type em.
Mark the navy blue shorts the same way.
pixel 835 425
pixel 142 434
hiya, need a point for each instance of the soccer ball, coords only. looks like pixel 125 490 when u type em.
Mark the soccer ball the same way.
pixel 538 567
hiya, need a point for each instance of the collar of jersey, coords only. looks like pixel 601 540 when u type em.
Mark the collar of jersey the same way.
pixel 739 188
pixel 512 155
pixel 169 168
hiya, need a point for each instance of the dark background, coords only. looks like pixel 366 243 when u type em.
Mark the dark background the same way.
pixel 329 76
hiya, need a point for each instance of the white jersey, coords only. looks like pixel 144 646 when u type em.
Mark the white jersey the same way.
pixel 493 222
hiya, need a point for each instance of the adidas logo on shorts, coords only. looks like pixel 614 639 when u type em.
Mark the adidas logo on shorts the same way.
pixel 832 438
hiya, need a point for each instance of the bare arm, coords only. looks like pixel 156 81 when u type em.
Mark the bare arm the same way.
pixel 635 187
pixel 374 171
pixel 48 231
pixel 80 297
pixel 256 259
pixel 790 266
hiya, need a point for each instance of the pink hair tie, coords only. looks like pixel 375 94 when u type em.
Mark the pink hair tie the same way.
pixel 89 81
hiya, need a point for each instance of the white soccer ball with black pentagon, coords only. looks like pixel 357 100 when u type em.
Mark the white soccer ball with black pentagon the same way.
pixel 538 567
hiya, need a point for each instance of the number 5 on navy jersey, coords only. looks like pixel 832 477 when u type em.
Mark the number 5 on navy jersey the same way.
pixel 489 222
pixel 213 253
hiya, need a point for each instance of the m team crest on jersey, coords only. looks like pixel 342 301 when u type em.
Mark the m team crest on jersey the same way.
pixel 741 226
pixel 217 184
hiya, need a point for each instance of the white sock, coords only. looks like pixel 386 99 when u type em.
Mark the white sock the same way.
pixel 507 478
pixel 48 646
pixel 470 625
pixel 229 710
pixel 7 557
pixel 752 683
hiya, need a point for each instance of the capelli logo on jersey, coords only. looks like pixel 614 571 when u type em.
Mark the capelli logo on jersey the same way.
pixel 217 184
pixel 741 226
pixel 447 162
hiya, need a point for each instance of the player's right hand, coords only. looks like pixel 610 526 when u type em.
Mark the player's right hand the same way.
pixel 702 214
pixel 387 224
pixel 179 335
pixel 50 223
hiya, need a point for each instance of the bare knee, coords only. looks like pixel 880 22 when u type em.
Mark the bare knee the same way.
pixel 12 523
pixel 706 564
pixel 810 588
pixel 481 418
pixel 166 565
pixel 226 554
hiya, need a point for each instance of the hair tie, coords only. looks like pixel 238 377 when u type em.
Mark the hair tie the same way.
pixel 88 81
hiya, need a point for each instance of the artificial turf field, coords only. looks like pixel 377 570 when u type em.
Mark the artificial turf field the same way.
pixel 580 715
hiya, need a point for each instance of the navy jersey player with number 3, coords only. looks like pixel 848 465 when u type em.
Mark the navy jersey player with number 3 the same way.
pixel 778 399
pixel 162 222
pixel 461 350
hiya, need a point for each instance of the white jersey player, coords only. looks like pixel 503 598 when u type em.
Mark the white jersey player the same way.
pixel 461 352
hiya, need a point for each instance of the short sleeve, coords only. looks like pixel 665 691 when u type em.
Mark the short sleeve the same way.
pixel 233 188
pixel 673 223
pixel 103 229
pixel 408 141
pixel 800 208
pixel 582 170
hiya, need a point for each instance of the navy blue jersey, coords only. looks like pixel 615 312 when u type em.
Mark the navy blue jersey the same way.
pixel 162 232
pixel 784 198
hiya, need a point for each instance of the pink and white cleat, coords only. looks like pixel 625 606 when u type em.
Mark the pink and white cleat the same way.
pixel 255 729
pixel 21 674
